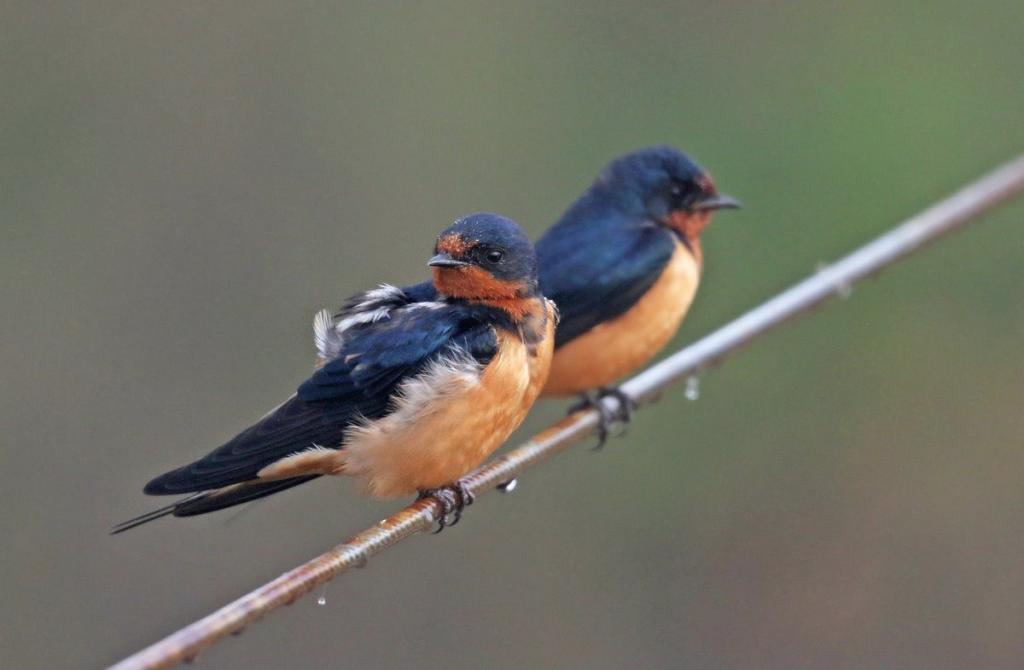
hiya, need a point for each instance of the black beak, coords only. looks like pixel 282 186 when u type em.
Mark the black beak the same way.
pixel 716 202
pixel 445 261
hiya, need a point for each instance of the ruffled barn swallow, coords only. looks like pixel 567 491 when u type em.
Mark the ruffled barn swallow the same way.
pixel 408 396
pixel 623 264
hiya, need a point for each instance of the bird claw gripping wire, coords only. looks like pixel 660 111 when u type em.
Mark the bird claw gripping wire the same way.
pixel 608 418
pixel 454 499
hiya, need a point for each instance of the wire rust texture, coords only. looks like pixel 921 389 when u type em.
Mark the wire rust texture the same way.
pixel 954 212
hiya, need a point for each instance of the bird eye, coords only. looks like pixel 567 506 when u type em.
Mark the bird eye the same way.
pixel 676 190
pixel 494 256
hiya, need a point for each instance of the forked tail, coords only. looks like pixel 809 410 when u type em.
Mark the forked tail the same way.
pixel 211 501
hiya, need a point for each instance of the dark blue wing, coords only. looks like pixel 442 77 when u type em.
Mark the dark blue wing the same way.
pixel 360 382
pixel 595 267
pixel 378 355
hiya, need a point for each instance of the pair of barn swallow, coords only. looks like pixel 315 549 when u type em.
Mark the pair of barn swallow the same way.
pixel 416 386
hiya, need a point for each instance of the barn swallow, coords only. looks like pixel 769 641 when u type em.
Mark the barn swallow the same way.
pixel 623 264
pixel 407 396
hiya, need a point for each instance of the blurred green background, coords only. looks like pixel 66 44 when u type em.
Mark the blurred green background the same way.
pixel 185 184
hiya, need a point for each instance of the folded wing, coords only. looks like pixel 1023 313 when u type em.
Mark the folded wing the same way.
pixel 595 273
pixel 358 383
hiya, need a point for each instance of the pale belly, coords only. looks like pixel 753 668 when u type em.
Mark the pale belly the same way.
pixel 611 350
pixel 408 452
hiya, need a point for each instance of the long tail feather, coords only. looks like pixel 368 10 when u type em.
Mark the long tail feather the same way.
pixel 155 514
pixel 211 501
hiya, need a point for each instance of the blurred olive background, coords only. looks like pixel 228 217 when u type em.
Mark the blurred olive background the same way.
pixel 184 185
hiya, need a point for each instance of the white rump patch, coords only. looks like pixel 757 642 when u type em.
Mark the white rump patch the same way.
pixel 372 306
pixel 327 340
pixel 368 316
pixel 381 294
pixel 424 305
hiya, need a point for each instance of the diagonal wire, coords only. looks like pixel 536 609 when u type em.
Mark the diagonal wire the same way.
pixel 952 213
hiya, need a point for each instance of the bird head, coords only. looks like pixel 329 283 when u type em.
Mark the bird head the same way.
pixel 666 186
pixel 486 257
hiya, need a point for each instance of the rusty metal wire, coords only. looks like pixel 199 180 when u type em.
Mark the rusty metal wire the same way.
pixel 959 209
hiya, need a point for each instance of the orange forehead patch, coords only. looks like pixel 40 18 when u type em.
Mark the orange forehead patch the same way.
pixel 706 183
pixel 454 245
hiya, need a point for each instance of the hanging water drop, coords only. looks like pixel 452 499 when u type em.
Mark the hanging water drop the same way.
pixel 321 599
pixel 692 391
pixel 843 289
pixel 509 486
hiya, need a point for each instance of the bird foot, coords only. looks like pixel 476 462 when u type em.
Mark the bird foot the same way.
pixel 453 498
pixel 608 418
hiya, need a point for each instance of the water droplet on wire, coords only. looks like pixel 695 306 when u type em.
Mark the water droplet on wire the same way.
pixel 509 486
pixel 692 390
pixel 321 600
pixel 844 289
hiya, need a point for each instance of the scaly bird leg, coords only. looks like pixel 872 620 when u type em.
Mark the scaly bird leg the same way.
pixel 608 418
pixel 453 498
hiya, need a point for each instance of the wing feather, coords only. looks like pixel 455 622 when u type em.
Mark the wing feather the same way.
pixel 358 384
pixel 595 273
